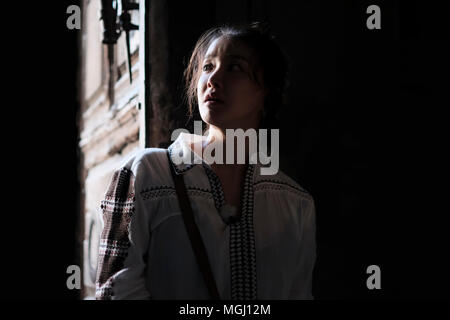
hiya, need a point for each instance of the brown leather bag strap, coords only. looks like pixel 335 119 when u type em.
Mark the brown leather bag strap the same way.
pixel 193 232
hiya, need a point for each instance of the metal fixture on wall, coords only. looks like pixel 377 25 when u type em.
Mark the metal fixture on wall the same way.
pixel 113 27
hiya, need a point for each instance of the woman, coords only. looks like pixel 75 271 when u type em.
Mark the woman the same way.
pixel 258 231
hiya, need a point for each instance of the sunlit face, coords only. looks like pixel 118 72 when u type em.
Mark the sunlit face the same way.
pixel 228 95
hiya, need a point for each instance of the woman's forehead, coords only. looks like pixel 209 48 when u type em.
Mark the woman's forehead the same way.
pixel 225 46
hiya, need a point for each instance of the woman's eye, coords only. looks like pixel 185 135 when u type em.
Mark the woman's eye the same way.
pixel 207 67
pixel 235 67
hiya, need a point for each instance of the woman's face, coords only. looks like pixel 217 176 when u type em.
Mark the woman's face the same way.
pixel 228 95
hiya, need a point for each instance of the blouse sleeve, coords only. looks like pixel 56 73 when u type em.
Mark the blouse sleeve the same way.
pixel 123 243
pixel 303 277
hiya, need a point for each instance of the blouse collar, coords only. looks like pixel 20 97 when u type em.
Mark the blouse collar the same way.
pixel 182 156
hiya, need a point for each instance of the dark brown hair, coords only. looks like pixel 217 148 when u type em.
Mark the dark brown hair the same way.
pixel 270 57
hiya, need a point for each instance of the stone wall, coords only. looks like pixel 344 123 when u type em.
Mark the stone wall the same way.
pixel 109 130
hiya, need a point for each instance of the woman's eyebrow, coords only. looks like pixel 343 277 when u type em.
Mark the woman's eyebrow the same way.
pixel 233 56
pixel 239 57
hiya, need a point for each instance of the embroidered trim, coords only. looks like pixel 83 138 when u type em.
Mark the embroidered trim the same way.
pixel 242 247
pixel 164 191
pixel 155 188
pixel 216 187
pixel 279 187
pixel 199 193
pixel 281 183
pixel 157 192
pixel 242 238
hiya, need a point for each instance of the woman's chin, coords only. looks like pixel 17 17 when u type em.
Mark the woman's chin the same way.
pixel 213 117
pixel 213 121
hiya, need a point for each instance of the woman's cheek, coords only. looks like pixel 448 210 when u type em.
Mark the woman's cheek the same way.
pixel 200 86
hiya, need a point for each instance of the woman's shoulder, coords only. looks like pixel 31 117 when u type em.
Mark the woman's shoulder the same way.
pixel 147 156
pixel 150 165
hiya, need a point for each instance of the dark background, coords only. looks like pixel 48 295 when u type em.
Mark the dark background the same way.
pixel 361 131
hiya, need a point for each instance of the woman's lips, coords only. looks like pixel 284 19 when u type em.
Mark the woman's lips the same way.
pixel 213 102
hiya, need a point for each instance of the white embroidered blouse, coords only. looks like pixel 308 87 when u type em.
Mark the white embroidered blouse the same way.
pixel 266 251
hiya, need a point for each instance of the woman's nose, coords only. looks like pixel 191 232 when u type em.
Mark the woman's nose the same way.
pixel 215 78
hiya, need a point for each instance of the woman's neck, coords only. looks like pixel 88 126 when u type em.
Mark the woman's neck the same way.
pixel 219 138
pixel 215 134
